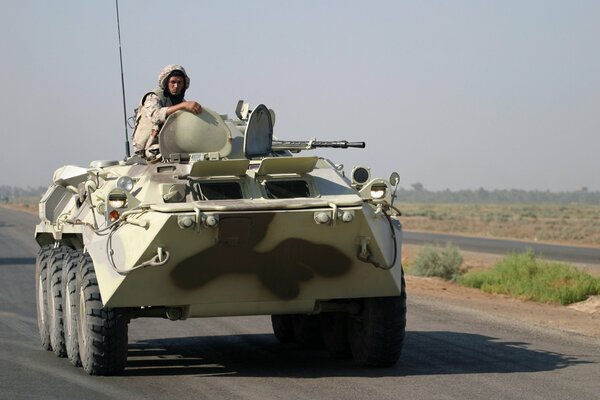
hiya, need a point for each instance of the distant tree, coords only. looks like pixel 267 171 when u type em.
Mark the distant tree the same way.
pixel 482 193
pixel 418 187
pixel 8 193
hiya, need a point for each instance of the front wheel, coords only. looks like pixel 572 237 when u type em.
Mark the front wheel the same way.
pixel 283 327
pixel 101 331
pixel 335 334
pixel 376 334
pixel 307 330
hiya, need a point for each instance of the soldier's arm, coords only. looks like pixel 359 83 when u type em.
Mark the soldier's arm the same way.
pixel 158 115
pixel 190 106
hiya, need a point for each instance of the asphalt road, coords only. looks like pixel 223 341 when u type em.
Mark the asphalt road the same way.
pixel 449 353
pixel 576 254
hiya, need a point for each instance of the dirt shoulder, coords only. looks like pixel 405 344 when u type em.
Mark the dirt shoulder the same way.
pixel 582 318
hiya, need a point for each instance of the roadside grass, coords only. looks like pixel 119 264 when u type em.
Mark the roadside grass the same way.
pixel 527 277
pixel 441 262
pixel 522 276
pixel 572 223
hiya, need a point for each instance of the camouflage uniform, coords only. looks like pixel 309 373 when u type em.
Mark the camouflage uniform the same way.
pixel 152 111
pixel 151 115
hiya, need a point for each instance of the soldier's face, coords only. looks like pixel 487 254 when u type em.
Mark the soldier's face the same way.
pixel 176 85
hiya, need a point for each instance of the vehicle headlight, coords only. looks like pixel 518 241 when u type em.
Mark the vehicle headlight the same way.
pixel 125 182
pixel 117 200
pixel 378 192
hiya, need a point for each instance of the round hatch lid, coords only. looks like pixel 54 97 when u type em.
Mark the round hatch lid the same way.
pixel 184 132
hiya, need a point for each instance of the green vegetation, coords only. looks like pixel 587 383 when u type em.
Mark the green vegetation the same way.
pixel 527 277
pixel 522 276
pixel 441 262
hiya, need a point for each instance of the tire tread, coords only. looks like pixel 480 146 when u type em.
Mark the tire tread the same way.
pixel 106 330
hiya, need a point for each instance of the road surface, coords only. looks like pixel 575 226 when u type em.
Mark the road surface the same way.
pixel 449 353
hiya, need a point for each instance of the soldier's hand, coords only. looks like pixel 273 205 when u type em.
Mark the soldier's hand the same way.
pixel 192 107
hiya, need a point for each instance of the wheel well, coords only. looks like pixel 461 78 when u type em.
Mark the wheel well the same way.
pixel 74 241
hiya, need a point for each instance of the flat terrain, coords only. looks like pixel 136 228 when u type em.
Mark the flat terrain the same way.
pixel 573 224
pixel 460 343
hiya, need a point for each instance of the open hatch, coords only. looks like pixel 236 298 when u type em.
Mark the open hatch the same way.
pixel 258 139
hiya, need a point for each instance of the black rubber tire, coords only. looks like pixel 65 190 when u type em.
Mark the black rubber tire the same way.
pixel 335 334
pixel 101 331
pixel 55 300
pixel 69 290
pixel 376 334
pixel 41 294
pixel 283 328
pixel 307 331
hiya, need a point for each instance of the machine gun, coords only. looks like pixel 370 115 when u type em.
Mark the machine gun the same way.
pixel 298 145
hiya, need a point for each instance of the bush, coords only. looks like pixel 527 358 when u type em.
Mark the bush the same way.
pixel 441 262
pixel 525 276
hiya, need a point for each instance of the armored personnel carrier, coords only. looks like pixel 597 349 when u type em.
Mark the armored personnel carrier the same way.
pixel 228 222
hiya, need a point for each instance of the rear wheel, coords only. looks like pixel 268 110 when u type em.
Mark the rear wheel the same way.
pixel 335 334
pixel 55 301
pixel 69 290
pixel 307 330
pixel 101 331
pixel 298 328
pixel 41 294
pixel 376 333
pixel 283 328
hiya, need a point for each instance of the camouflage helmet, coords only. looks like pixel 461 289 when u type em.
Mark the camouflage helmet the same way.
pixel 166 71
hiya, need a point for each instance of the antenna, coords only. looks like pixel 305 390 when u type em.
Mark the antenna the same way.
pixel 122 83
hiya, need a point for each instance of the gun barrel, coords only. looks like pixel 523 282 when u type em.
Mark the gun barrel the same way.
pixel 341 144
pixel 313 144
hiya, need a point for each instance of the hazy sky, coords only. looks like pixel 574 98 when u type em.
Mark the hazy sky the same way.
pixel 452 94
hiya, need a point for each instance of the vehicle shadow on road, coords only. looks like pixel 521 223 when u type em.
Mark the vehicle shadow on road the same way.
pixel 261 355
pixel 17 260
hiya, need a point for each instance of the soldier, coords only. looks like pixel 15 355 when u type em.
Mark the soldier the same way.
pixel 157 105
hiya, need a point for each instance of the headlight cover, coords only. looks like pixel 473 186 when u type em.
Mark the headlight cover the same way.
pixel 117 200
pixel 378 192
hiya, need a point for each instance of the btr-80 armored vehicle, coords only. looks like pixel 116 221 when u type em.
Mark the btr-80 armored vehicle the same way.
pixel 228 222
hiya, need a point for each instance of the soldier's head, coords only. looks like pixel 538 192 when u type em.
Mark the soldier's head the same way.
pixel 176 83
pixel 173 80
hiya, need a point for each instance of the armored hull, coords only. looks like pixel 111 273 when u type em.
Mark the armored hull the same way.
pixel 228 222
